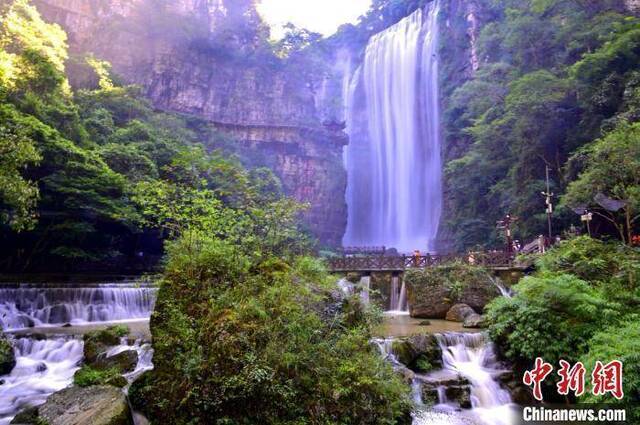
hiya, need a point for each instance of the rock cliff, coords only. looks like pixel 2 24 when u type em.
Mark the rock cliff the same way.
pixel 207 58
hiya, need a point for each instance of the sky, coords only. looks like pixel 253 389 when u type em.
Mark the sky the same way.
pixel 323 16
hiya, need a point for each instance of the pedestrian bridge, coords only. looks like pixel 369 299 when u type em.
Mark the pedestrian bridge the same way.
pixel 496 260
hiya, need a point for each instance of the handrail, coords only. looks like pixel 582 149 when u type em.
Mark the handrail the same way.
pixel 404 262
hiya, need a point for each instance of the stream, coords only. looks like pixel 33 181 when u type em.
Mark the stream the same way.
pixel 46 324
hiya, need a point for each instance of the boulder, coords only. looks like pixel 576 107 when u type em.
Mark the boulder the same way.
pixel 460 394
pixel 97 405
pixel 98 342
pixel 459 312
pixel 433 291
pixel 474 320
pixel 7 355
pixel 455 389
pixel 124 362
pixel 27 416
pixel 420 353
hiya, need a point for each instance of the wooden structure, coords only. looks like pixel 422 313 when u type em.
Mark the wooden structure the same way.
pixel 380 263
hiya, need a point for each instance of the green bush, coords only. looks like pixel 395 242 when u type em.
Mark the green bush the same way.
pixel 618 343
pixel 610 265
pixel 243 342
pixel 88 376
pixel 552 317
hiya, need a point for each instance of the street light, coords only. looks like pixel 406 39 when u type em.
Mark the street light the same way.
pixel 548 196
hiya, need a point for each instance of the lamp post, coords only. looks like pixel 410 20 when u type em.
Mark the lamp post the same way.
pixel 548 197
pixel 505 224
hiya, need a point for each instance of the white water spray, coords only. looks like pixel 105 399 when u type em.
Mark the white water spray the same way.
pixel 28 306
pixel 395 188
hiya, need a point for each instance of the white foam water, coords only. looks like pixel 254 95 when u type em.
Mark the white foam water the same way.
pixel 28 306
pixel 42 368
pixel 472 356
pixel 394 185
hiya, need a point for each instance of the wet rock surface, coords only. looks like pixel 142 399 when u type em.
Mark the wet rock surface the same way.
pixel 419 353
pixel 97 405
pixel 125 361
pixel 7 356
pixel 474 320
pixel 459 312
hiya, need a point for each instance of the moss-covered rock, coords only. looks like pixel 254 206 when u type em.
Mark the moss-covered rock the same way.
pixel 381 289
pixel 95 405
pixel 123 362
pixel 433 291
pixel 98 342
pixel 420 353
pixel 27 416
pixel 88 376
pixel 7 355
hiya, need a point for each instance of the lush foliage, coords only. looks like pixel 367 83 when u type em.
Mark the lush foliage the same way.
pixel 87 376
pixel 584 292
pixel 241 338
pixel 618 343
pixel 554 76
pixel 97 177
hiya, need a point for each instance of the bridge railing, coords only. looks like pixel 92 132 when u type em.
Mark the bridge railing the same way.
pixel 404 262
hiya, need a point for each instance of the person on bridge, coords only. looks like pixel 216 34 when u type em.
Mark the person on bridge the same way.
pixel 416 258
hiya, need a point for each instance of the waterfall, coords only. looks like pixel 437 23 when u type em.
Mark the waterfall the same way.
pixel 27 306
pixel 365 287
pixel 398 297
pixel 472 356
pixel 467 355
pixel 394 189
pixel 42 368
pixel 504 291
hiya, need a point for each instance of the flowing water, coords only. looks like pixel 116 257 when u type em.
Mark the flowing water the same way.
pixel 45 361
pixel 394 167
pixel 470 356
pixel 398 303
pixel 28 306
pixel 42 368
pixel 504 291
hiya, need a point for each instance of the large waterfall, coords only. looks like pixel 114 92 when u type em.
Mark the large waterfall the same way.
pixel 393 161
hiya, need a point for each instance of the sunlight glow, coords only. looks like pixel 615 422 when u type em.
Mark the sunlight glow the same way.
pixel 323 16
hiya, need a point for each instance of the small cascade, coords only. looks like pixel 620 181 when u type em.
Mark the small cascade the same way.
pixel 365 288
pixel 345 286
pixel 28 306
pixel 42 368
pixel 504 291
pixel 464 355
pixel 398 297
pixel 472 356
pixel 145 356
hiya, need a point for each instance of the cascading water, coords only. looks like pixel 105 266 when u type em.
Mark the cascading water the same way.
pixel 394 188
pixel 398 297
pixel 472 356
pixel 42 368
pixel 504 291
pixel 28 306
pixel 365 288
pixel 467 355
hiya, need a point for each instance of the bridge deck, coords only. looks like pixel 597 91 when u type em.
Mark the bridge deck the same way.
pixel 380 263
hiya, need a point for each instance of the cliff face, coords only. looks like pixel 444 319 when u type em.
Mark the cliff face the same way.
pixel 202 57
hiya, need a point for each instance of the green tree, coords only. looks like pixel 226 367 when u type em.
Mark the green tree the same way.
pixel 17 194
pixel 612 168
